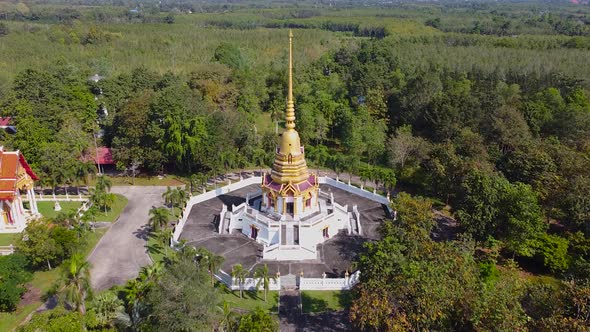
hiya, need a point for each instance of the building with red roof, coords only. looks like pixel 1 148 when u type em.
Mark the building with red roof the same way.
pixel 6 124
pixel 16 179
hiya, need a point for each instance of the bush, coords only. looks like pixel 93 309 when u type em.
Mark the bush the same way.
pixel 552 251
pixel 14 273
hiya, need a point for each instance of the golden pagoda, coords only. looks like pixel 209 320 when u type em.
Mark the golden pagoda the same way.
pixel 289 188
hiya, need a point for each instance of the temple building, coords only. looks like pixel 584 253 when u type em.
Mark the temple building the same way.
pixel 16 179
pixel 289 215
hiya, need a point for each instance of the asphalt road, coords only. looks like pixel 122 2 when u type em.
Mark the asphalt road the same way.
pixel 121 252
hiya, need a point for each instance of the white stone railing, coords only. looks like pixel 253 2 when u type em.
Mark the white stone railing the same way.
pixel 207 196
pixel 249 283
pixel 354 190
pixel 357 218
pixel 7 250
pixel 221 217
pixel 329 283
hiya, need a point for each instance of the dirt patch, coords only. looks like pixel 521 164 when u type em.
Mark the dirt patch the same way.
pixel 32 295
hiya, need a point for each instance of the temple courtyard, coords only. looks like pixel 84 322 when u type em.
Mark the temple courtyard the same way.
pixel 335 255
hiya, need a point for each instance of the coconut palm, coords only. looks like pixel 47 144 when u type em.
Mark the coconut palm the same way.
pixel 179 198
pixel 164 236
pixel 227 321
pixel 77 282
pixel 213 264
pixel 239 273
pixel 159 218
pixel 264 278
pixel 168 196
pixel 109 311
pixel 103 183
pixel 150 273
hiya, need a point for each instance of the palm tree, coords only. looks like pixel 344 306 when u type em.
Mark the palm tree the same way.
pixel 213 264
pixel 179 198
pixel 109 311
pixel 164 236
pixel 77 282
pixel 150 273
pixel 240 274
pixel 134 291
pixel 168 196
pixel 159 218
pixel 103 183
pixel 227 317
pixel 82 171
pixel 389 180
pixel 264 277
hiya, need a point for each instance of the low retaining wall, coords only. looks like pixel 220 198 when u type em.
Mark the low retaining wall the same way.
pixel 354 190
pixel 249 283
pixel 329 283
pixel 207 196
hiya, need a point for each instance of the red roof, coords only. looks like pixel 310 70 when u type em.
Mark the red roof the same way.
pixel 105 156
pixel 5 121
pixel 10 162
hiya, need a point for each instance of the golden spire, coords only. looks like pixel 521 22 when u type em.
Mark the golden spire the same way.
pixel 290 115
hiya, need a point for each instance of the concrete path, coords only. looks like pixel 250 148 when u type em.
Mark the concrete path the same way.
pixel 289 310
pixel 121 252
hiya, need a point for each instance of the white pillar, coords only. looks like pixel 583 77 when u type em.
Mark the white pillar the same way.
pixel 34 201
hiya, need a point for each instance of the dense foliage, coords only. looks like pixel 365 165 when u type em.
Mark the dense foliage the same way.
pixel 14 274
pixel 484 107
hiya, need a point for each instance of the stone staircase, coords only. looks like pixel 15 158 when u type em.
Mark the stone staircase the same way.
pixel 289 282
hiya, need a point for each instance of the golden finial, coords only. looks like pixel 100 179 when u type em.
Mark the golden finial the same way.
pixel 290 116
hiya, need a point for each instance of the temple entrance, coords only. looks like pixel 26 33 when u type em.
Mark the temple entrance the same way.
pixel 325 233
pixel 253 232
pixel 296 235
pixel 290 208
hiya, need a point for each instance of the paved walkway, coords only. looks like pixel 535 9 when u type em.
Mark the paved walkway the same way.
pixel 121 252
pixel 289 310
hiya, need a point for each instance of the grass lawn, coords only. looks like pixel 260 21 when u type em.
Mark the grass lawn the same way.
pixel 9 321
pixel 8 239
pixel 251 299
pixel 320 301
pixel 46 207
pixel 115 211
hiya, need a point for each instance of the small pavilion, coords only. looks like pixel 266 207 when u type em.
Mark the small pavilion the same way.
pixel 16 179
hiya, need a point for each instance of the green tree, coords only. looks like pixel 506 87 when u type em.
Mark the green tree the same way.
pixel 258 320
pixel 186 283
pixel 264 278
pixel 109 311
pixel 76 279
pixel 37 244
pixel 239 274
pixel 159 218
pixel 14 274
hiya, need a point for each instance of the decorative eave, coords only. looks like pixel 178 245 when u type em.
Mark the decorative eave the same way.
pixel 290 189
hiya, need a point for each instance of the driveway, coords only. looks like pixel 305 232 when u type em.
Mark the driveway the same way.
pixel 121 252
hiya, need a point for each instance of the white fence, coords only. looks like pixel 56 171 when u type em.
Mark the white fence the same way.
pixel 249 283
pixel 329 283
pixel 354 190
pixel 207 196
pixel 7 250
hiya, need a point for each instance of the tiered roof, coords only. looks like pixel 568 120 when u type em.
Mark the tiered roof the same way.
pixel 14 170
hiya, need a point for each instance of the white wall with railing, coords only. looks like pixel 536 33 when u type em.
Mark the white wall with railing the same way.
pixel 249 283
pixel 207 196
pixel 325 283
pixel 354 190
